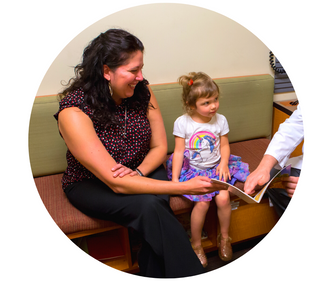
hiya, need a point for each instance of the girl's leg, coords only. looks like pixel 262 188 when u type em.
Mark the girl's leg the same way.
pixel 198 216
pixel 222 201
pixel 224 212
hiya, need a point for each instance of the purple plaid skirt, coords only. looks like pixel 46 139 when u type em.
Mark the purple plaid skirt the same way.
pixel 238 171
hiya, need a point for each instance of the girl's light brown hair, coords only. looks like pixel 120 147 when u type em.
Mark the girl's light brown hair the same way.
pixel 196 85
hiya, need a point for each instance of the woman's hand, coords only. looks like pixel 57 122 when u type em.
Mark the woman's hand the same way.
pixel 202 185
pixel 121 170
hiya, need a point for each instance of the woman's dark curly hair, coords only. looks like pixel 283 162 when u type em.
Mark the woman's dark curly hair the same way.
pixel 112 48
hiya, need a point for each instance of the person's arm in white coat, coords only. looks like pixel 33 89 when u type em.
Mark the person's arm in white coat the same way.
pixel 289 135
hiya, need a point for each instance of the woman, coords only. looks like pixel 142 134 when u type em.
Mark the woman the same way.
pixel 112 126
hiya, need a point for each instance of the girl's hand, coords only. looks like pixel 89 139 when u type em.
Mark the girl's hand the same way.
pixel 223 172
pixel 120 171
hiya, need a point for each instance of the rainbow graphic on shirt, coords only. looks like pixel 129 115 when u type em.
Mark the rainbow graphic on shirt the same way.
pixel 196 139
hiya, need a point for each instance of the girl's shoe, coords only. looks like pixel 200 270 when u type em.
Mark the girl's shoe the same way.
pixel 199 251
pixel 225 250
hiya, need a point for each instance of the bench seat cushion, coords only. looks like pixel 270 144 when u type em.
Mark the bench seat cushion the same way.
pixel 70 220
pixel 67 217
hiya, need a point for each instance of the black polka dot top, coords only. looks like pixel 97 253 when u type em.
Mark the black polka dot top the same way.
pixel 128 144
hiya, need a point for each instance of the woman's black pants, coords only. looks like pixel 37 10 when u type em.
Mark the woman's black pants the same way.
pixel 166 250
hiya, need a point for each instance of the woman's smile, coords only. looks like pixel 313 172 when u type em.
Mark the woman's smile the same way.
pixel 125 78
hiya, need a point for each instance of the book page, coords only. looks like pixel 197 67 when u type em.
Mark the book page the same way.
pixel 233 189
pixel 285 172
pixel 245 197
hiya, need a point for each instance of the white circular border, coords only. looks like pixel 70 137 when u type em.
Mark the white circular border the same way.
pixel 34 33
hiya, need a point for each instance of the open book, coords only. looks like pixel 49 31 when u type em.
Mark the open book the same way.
pixel 285 172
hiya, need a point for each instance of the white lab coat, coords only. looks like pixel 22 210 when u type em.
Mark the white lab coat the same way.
pixel 289 135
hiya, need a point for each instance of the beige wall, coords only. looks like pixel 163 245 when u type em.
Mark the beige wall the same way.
pixel 178 39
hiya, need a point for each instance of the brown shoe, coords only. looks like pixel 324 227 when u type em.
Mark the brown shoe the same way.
pixel 225 250
pixel 199 251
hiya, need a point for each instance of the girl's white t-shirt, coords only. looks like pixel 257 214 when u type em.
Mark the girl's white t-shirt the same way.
pixel 202 139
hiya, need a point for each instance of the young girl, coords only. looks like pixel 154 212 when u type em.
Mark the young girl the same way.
pixel 202 148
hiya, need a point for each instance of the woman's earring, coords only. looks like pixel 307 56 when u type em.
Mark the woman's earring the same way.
pixel 110 88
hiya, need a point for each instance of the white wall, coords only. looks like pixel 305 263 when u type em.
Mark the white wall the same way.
pixel 178 38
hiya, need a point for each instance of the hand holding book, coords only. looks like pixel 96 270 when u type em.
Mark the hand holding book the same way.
pixel 283 173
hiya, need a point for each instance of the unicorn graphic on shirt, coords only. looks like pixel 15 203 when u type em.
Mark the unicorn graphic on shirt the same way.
pixel 202 144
